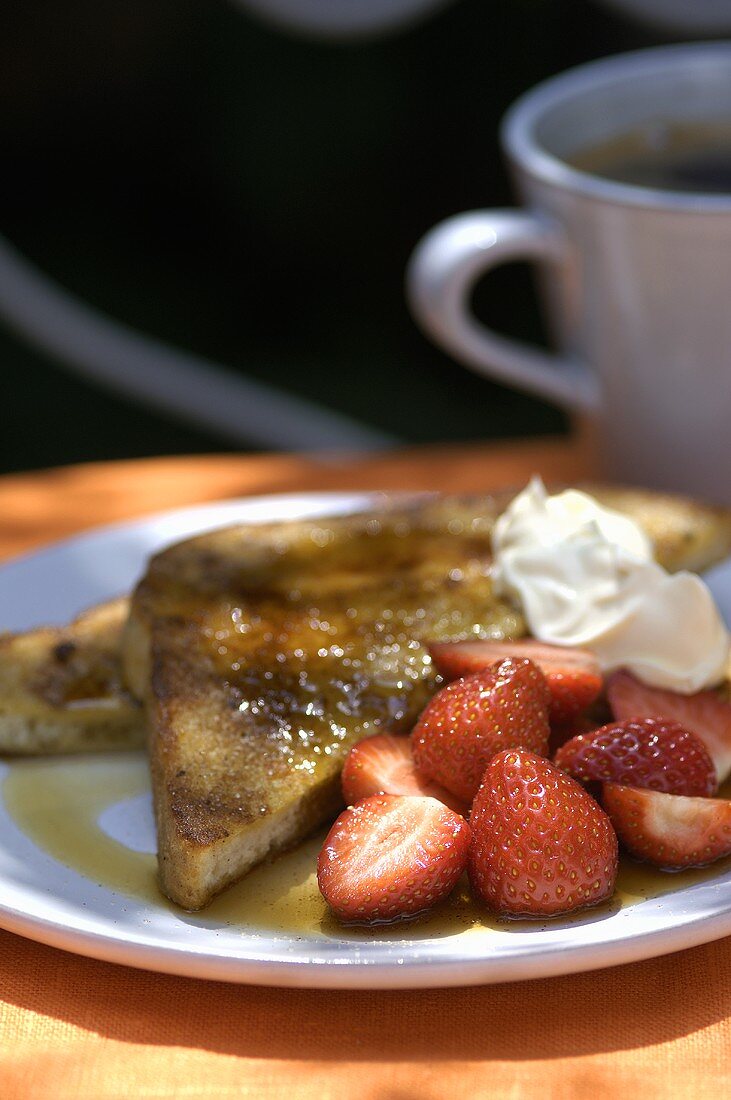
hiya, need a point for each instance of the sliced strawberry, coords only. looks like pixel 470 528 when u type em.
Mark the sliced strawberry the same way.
pixel 390 857
pixel 574 676
pixel 383 764
pixel 704 713
pixel 642 752
pixel 541 845
pixel 467 722
pixel 667 829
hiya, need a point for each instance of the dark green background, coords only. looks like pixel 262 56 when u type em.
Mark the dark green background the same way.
pixel 255 197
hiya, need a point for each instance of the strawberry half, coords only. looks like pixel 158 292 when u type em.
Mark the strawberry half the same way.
pixel 383 764
pixel 573 675
pixel 541 846
pixel 704 713
pixel 467 722
pixel 667 829
pixel 390 857
pixel 642 752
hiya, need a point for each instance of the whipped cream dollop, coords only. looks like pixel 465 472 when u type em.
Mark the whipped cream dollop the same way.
pixel 584 575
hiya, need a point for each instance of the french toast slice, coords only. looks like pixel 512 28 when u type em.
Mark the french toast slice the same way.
pixel 263 653
pixel 61 688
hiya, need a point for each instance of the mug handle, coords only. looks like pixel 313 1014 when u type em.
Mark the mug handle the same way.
pixel 441 274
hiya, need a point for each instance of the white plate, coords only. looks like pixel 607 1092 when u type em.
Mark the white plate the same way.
pixel 46 900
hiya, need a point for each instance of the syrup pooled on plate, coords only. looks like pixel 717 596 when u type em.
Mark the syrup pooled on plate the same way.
pixel 58 804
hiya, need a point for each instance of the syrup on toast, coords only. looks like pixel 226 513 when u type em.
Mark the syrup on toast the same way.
pixel 61 688
pixel 264 653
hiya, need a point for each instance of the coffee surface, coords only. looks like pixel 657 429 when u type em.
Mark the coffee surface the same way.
pixel 688 157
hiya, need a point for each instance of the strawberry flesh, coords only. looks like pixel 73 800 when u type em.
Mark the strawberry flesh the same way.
pixel 657 753
pixel 541 845
pixel 705 713
pixel 391 857
pixel 383 764
pixel 467 722
pixel 669 830
pixel 573 675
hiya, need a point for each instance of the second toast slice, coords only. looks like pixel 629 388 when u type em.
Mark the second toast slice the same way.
pixel 61 688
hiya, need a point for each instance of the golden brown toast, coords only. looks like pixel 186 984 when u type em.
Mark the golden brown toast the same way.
pixel 61 688
pixel 264 653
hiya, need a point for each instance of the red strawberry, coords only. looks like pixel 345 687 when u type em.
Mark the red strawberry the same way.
pixel 391 857
pixel 667 829
pixel 383 764
pixel 704 713
pixel 642 752
pixel 574 676
pixel 467 722
pixel 541 845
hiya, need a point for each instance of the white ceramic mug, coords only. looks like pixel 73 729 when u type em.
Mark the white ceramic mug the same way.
pixel 637 281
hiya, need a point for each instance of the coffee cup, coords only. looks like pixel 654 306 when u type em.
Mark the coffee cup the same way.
pixel 635 267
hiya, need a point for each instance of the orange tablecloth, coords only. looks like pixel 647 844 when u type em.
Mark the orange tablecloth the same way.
pixel 74 1028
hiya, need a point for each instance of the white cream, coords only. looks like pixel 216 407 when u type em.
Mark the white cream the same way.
pixel 584 576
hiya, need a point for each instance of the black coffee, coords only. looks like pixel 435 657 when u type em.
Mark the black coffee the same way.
pixel 670 157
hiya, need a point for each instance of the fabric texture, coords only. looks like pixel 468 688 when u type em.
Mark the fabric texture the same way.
pixel 74 1028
